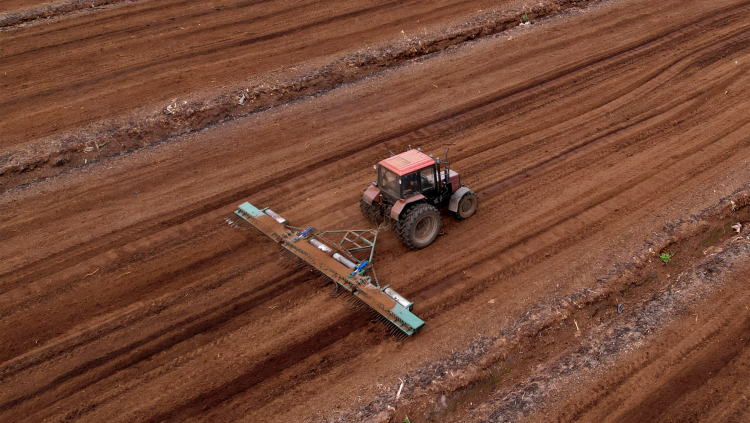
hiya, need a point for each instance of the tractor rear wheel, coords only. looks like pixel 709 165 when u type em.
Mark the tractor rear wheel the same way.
pixel 370 211
pixel 467 206
pixel 419 226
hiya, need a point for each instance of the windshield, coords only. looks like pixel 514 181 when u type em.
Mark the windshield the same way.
pixel 389 182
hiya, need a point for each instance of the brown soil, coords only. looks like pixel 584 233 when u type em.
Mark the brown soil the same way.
pixel 122 123
pixel 696 369
pixel 608 358
pixel 596 138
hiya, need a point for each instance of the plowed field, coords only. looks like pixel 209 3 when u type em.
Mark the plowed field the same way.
pixel 597 136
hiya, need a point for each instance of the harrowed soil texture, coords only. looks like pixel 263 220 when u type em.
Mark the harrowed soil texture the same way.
pixel 597 137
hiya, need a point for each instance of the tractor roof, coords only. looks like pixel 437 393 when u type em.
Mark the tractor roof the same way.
pixel 407 162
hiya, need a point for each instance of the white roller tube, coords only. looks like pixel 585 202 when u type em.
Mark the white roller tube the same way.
pixel 398 298
pixel 320 245
pixel 270 213
pixel 343 260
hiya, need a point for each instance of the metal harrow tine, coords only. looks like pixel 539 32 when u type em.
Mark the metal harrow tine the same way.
pixel 325 280
pixel 337 291
pixel 356 303
pixel 391 329
pixel 242 224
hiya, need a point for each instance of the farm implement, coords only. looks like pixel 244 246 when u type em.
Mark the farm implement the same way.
pixel 410 192
pixel 343 258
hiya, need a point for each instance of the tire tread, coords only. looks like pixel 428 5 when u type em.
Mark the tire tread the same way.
pixel 405 225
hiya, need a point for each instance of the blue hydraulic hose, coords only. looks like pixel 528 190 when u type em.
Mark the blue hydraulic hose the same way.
pixel 359 268
pixel 303 234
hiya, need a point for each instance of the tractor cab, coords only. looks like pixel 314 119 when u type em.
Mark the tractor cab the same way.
pixel 410 190
pixel 407 174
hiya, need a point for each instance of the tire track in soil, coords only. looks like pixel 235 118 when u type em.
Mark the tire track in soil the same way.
pixel 144 254
pixel 16 18
pixel 214 397
pixel 575 149
pixel 68 8
pixel 353 321
pixel 679 385
pixel 147 130
pixel 151 27
pixel 208 321
pixel 226 26
pixel 43 267
pixel 518 178
pixel 706 352
pixel 311 86
pixel 526 96
pixel 711 362
pixel 13 367
pixel 160 282
pixel 204 325
pixel 426 292
pixel 265 370
pixel 293 355
pixel 612 345
pixel 220 47
pixel 457 303
pixel 594 228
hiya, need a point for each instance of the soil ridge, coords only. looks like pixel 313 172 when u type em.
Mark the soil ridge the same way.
pixel 468 367
pixel 61 153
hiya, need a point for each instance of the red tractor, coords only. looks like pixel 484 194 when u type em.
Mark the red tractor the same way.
pixel 411 190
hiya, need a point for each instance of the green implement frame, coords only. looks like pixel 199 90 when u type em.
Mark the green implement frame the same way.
pixel 334 254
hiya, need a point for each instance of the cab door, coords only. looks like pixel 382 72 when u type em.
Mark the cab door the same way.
pixel 428 182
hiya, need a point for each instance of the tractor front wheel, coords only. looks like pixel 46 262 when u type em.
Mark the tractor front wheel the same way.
pixel 467 206
pixel 419 226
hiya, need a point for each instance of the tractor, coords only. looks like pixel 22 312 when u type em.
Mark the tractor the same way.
pixel 410 191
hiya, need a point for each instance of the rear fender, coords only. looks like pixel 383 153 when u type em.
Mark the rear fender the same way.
pixel 372 193
pixel 456 197
pixel 401 204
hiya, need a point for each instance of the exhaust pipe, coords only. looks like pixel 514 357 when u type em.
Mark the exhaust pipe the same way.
pixel 447 167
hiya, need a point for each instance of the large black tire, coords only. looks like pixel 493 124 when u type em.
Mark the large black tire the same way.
pixel 467 206
pixel 370 211
pixel 419 226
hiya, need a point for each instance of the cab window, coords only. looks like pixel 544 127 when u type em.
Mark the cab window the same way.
pixel 410 184
pixel 427 178
pixel 389 182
